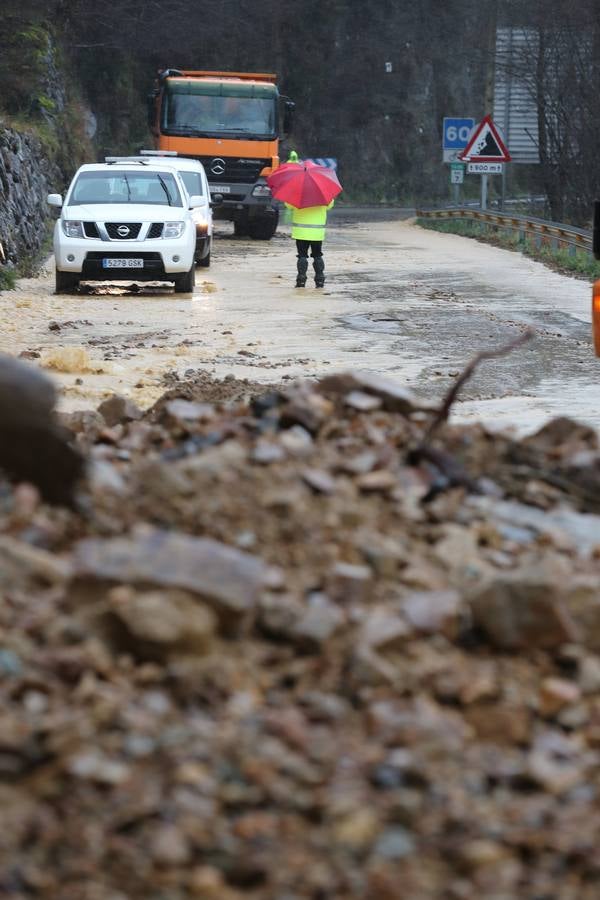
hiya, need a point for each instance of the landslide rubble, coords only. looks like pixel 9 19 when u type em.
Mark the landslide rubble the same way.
pixel 279 649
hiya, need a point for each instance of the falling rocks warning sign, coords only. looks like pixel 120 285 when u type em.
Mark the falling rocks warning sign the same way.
pixel 486 145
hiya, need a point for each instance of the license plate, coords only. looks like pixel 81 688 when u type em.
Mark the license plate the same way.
pixel 220 189
pixel 122 263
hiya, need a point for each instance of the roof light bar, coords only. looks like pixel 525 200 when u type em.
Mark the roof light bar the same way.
pixel 119 159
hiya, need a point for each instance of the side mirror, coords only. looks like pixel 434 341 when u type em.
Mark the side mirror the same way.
pixel 196 200
pixel 216 200
pixel 596 230
pixel 288 117
pixel 55 200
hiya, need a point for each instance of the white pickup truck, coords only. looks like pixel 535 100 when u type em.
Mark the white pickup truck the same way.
pixel 128 221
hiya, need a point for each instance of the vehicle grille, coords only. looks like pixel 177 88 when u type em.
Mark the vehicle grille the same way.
pixel 155 231
pixel 236 170
pixel 90 230
pixel 112 230
pixel 96 255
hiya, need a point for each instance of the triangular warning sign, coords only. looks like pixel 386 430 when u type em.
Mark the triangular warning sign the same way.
pixel 485 144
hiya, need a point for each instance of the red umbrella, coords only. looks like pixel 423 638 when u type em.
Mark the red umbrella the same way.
pixel 304 184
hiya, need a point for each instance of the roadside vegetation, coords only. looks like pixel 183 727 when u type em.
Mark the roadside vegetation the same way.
pixel 580 264
pixel 8 279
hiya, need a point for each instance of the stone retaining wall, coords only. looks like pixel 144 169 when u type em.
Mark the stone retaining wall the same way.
pixel 26 178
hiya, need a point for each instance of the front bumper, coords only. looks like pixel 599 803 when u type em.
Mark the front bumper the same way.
pixel 85 255
pixel 153 270
pixel 241 202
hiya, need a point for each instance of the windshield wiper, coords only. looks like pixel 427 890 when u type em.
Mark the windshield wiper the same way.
pixel 165 188
pixel 244 135
pixel 128 188
pixel 181 129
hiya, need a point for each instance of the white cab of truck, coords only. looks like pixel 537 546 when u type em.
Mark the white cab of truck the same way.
pixel 194 178
pixel 125 221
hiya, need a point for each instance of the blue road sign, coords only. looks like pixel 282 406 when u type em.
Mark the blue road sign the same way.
pixel 328 161
pixel 456 133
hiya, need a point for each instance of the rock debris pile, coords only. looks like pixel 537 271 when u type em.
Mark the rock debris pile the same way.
pixel 280 649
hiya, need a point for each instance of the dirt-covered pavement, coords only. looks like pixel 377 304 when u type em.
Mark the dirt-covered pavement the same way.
pixel 399 300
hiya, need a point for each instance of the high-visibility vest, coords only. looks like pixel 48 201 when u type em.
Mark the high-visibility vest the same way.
pixel 309 224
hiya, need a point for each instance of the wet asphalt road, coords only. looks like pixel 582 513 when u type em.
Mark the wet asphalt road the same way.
pixel 412 304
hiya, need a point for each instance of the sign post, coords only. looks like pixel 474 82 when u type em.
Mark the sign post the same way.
pixel 484 191
pixel 455 137
pixel 485 154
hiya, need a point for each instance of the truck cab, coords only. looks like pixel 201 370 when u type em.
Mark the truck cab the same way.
pixel 232 122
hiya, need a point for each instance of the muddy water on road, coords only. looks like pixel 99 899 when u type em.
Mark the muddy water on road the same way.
pixel 399 300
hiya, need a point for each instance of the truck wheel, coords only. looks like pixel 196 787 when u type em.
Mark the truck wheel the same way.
pixel 263 228
pixel 204 263
pixel 66 282
pixel 240 229
pixel 184 284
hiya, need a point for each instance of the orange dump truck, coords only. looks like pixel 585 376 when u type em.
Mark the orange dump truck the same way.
pixel 232 122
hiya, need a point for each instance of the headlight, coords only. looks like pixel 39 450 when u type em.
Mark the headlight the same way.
pixel 199 217
pixel 173 229
pixel 261 190
pixel 72 229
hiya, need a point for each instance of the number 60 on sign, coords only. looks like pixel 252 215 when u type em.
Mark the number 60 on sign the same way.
pixel 456 133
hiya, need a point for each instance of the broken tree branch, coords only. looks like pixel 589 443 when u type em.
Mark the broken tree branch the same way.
pixel 448 402
pixel 452 474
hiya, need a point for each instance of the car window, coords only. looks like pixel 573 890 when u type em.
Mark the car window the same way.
pixel 157 188
pixel 193 183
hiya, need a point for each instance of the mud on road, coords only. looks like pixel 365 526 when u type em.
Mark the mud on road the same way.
pixel 399 300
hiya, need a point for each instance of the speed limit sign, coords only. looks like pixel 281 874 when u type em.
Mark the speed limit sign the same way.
pixel 456 133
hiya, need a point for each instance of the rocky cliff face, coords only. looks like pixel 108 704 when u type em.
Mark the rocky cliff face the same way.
pixel 26 177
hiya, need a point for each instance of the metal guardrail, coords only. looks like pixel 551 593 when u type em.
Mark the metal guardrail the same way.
pixel 546 233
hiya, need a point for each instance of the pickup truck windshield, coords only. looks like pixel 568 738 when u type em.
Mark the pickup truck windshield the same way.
pixel 251 118
pixel 110 186
pixel 193 183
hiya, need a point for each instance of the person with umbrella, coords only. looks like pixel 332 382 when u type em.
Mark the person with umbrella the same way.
pixel 308 230
pixel 308 191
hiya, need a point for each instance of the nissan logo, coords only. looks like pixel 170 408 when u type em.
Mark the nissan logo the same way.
pixel 217 166
pixel 123 230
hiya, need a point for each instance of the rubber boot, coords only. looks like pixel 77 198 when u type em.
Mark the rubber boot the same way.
pixel 319 267
pixel 302 265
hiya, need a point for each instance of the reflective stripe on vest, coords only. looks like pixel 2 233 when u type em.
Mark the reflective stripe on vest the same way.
pixel 306 225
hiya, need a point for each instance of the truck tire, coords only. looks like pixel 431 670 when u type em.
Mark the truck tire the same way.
pixel 184 284
pixel 263 227
pixel 240 229
pixel 66 282
pixel 204 263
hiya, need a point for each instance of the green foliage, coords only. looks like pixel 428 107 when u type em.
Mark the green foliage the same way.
pixel 24 49
pixel 580 264
pixel 46 103
pixel 8 279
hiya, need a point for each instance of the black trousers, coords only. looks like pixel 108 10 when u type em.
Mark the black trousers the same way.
pixel 315 246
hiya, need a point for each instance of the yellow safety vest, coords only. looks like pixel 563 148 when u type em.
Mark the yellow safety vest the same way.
pixel 309 224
